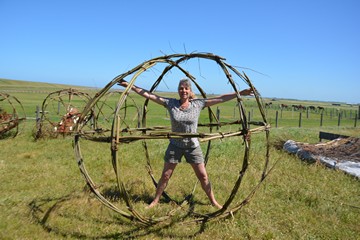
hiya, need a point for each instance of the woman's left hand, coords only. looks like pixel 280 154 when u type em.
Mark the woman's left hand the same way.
pixel 123 83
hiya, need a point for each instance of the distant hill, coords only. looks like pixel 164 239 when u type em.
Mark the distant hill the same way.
pixel 8 85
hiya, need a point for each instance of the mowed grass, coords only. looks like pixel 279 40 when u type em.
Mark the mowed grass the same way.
pixel 44 195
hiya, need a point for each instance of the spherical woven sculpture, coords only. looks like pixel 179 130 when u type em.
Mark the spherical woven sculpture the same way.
pixel 127 129
pixel 60 112
pixel 11 114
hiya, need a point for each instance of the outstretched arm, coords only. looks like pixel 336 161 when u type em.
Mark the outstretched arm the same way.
pixel 144 93
pixel 227 97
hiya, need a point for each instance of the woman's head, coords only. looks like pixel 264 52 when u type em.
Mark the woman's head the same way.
pixel 185 85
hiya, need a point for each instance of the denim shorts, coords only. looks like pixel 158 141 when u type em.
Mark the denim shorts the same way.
pixel 174 154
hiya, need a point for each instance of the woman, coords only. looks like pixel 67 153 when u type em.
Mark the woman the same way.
pixel 184 115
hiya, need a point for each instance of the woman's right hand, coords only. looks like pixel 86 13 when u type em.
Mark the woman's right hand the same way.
pixel 247 92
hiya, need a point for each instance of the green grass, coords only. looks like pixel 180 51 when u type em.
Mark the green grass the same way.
pixel 44 195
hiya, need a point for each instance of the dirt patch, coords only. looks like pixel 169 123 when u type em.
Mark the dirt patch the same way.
pixel 340 149
pixel 341 153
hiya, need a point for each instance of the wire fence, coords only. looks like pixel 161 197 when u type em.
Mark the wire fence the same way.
pixel 310 118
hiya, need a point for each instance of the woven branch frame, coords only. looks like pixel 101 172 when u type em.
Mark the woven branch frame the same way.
pixel 9 122
pixel 50 117
pixel 116 138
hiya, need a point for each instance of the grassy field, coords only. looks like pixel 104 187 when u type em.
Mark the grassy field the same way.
pixel 44 195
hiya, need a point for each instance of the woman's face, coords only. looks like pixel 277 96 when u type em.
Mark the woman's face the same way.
pixel 184 91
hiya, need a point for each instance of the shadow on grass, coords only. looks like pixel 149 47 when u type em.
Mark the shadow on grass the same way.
pixel 81 216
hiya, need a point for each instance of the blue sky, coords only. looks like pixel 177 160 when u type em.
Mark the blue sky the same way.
pixel 307 50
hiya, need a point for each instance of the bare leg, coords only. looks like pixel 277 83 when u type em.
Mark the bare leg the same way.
pixel 202 175
pixel 165 176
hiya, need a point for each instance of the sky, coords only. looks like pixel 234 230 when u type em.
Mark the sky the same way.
pixel 306 50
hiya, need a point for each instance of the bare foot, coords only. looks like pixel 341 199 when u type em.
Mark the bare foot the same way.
pixel 217 205
pixel 152 204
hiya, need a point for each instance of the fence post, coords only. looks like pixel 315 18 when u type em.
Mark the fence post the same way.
pixel 300 119
pixel 139 118
pixel 218 116
pixel 358 113
pixel 37 117
pixel 355 120
pixel 307 113
pixel 276 119
pixel 321 119
pixel 339 119
pixel 37 111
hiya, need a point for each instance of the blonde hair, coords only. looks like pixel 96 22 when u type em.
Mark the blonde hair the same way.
pixel 187 83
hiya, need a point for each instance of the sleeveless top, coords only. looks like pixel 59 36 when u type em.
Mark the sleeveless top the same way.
pixel 184 120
